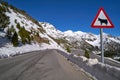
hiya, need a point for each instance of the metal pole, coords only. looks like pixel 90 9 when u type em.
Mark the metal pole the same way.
pixel 101 41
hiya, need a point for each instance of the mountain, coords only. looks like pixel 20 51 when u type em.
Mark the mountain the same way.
pixel 21 33
pixel 83 40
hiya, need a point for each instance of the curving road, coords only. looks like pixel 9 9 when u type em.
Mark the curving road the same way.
pixel 40 65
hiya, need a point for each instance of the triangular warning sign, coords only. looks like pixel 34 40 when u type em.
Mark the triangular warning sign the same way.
pixel 102 20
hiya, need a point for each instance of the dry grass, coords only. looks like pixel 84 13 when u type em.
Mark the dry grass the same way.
pixel 41 40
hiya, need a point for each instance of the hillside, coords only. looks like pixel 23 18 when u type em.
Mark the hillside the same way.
pixel 84 41
pixel 21 33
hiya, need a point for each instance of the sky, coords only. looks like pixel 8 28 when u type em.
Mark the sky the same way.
pixel 75 15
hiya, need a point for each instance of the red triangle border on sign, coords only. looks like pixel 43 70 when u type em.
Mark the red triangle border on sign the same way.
pixel 96 26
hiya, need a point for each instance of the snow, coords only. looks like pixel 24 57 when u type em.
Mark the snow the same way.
pixel 21 19
pixel 97 69
pixel 69 33
pixel 112 60
pixel 51 30
pixel 92 62
pixel 12 16
pixel 106 38
pixel 89 62
pixel 9 50
pixel 117 41
pixel 83 58
pixel 78 36
pixel 116 57
pixel 2 34
pixel 95 43
pixel 46 46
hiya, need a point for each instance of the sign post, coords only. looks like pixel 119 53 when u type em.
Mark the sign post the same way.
pixel 101 21
pixel 101 42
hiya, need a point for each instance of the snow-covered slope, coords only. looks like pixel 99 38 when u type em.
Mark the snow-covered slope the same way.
pixel 83 40
pixel 90 38
pixel 51 30
pixel 36 40
pixel 34 35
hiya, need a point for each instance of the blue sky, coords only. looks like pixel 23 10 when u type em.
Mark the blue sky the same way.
pixel 76 15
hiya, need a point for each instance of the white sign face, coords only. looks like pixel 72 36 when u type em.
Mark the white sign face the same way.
pixel 102 20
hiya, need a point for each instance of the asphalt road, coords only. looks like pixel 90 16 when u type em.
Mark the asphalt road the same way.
pixel 40 65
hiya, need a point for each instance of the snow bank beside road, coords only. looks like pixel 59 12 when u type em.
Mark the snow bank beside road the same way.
pixel 97 69
pixel 89 62
pixel 9 50
pixel 92 62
